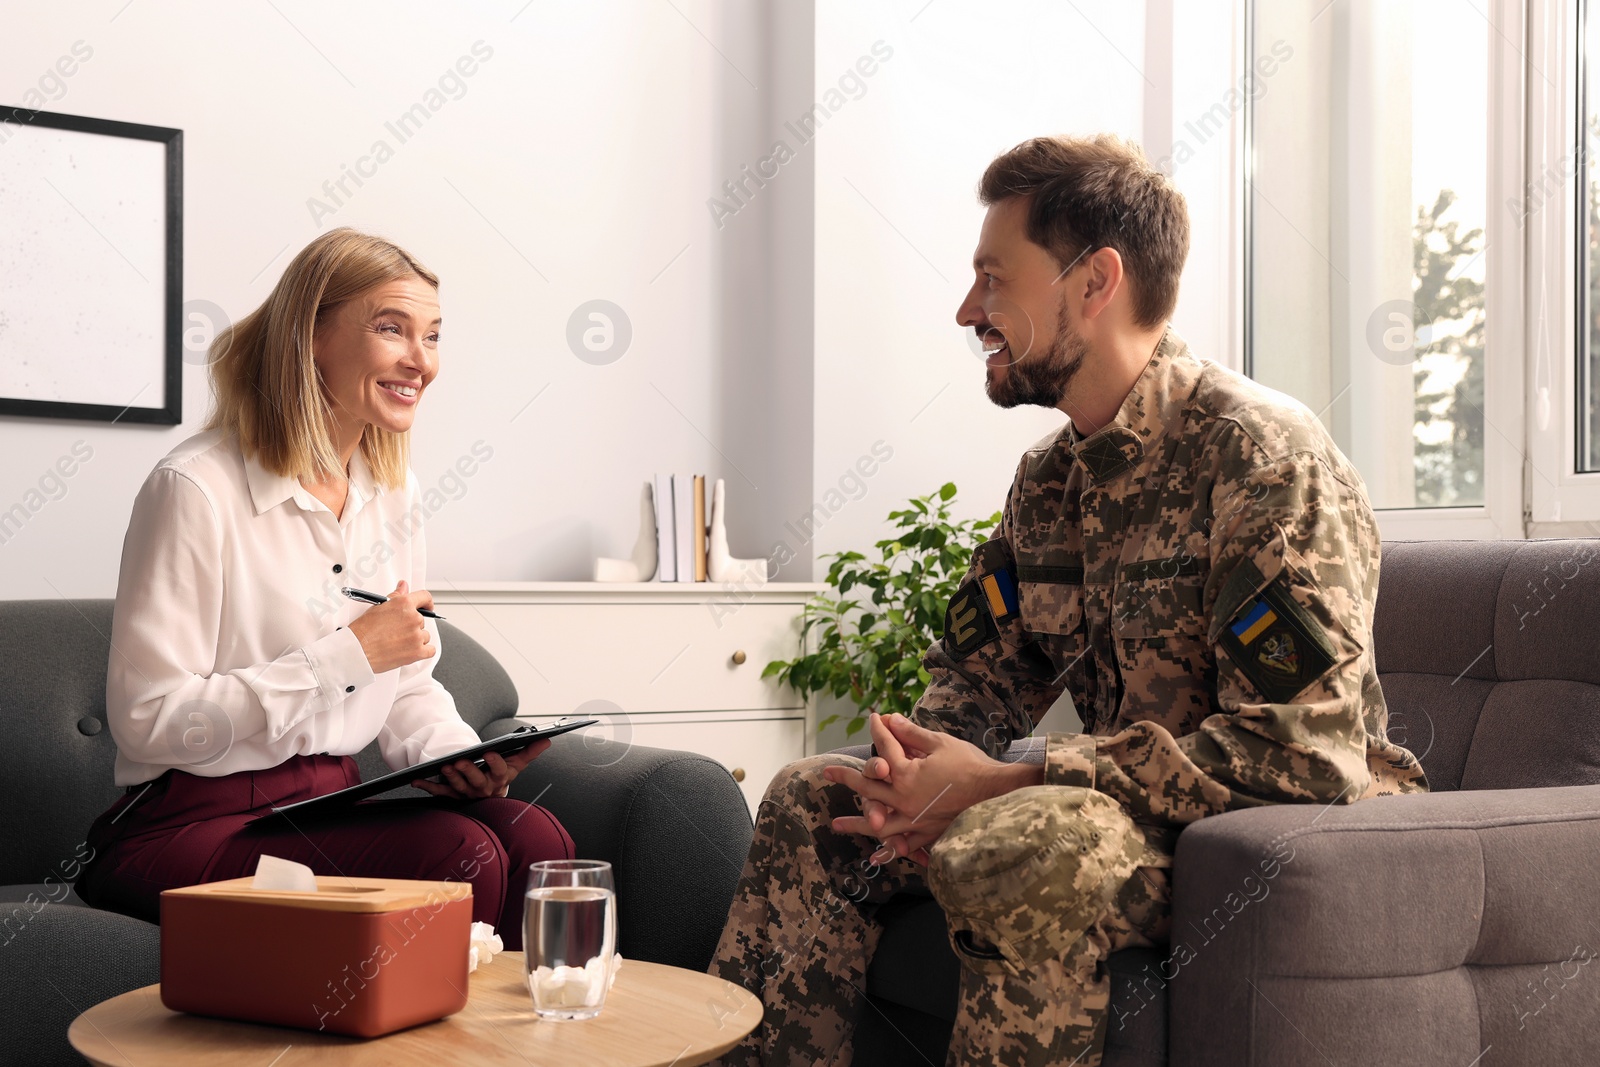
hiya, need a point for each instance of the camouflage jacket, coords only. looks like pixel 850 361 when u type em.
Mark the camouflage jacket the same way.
pixel 1200 574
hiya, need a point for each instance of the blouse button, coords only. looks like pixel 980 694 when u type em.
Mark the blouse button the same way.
pixel 337 567
pixel 349 689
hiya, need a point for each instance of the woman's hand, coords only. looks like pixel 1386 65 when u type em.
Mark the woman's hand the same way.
pixel 464 780
pixel 394 634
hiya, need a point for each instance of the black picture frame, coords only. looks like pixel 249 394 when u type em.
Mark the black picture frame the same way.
pixel 170 410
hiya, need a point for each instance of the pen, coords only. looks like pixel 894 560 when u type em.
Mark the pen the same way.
pixel 378 598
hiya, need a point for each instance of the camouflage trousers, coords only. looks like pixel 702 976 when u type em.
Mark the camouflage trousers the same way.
pixel 801 931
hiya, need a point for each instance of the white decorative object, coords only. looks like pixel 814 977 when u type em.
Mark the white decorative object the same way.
pixel 642 567
pixel 720 566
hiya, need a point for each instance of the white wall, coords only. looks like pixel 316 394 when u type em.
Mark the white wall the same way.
pixel 575 165
pixel 772 346
pixel 897 219
pixel 1207 99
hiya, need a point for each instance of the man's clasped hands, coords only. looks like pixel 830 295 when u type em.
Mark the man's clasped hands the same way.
pixel 920 780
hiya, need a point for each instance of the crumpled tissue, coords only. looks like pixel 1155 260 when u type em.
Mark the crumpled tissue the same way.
pixel 275 873
pixel 485 943
pixel 573 987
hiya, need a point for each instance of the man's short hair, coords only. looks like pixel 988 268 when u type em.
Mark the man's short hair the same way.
pixel 1100 192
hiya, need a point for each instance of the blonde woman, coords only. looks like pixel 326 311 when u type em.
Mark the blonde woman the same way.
pixel 240 678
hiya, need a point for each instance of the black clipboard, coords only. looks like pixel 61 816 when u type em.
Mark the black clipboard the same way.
pixel 505 745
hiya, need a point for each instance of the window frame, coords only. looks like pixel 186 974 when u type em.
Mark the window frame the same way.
pixel 1562 500
pixel 1501 515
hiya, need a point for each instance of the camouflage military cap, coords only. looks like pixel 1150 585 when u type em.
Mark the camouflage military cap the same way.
pixel 1021 877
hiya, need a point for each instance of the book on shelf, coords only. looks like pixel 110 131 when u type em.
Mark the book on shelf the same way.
pixel 682 529
pixel 683 513
pixel 699 527
pixel 666 532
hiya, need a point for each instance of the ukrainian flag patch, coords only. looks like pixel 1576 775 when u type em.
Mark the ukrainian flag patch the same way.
pixel 1275 643
pixel 982 602
pixel 1257 618
pixel 1001 593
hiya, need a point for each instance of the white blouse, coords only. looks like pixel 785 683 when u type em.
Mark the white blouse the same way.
pixel 230 647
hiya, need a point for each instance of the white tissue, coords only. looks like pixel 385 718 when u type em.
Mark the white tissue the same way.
pixel 573 987
pixel 274 873
pixel 484 944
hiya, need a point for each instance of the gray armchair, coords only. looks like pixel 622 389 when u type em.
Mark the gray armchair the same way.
pixel 1454 928
pixel 674 825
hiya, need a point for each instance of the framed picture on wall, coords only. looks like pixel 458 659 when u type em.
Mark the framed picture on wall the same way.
pixel 91 268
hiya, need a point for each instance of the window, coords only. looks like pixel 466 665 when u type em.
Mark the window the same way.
pixel 1449 166
pixel 1384 292
pixel 1587 371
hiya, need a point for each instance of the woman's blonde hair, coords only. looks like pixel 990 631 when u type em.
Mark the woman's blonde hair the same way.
pixel 266 385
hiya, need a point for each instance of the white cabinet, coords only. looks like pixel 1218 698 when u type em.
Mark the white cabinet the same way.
pixel 661 664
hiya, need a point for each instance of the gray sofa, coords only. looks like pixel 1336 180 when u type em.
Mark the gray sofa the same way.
pixel 674 825
pixel 1456 928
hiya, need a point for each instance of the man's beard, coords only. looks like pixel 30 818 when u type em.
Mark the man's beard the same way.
pixel 1040 380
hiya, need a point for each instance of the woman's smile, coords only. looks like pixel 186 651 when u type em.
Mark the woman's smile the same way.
pixel 401 391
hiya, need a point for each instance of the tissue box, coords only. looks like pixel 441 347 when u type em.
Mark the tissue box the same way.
pixel 361 956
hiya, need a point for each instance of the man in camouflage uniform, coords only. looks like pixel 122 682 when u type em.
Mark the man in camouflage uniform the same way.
pixel 1190 556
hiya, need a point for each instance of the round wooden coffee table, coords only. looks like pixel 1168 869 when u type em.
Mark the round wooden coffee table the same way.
pixel 655 1016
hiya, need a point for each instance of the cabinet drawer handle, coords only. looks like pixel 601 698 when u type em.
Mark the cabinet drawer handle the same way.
pixel 738 774
pixel 739 657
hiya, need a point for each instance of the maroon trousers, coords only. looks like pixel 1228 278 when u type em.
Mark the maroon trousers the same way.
pixel 182 829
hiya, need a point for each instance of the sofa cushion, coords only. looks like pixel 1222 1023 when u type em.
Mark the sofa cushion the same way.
pixel 1436 603
pixel 1435 718
pixel 1490 662
pixel 59 752
pixel 1544 619
pixel 1536 733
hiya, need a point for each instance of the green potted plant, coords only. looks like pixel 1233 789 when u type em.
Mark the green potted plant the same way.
pixel 868 647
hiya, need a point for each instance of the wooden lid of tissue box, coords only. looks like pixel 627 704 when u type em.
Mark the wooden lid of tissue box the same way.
pixel 337 894
pixel 361 956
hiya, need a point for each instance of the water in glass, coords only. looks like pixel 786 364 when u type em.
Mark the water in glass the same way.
pixel 569 938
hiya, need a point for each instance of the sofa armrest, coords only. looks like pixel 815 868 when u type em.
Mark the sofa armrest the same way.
pixel 1404 929
pixel 60 960
pixel 673 825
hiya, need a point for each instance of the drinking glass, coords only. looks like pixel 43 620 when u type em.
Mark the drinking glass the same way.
pixel 569 936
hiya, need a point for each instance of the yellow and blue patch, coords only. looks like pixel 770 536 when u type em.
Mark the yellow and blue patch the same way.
pixel 1001 592
pixel 982 602
pixel 1275 643
pixel 1255 622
